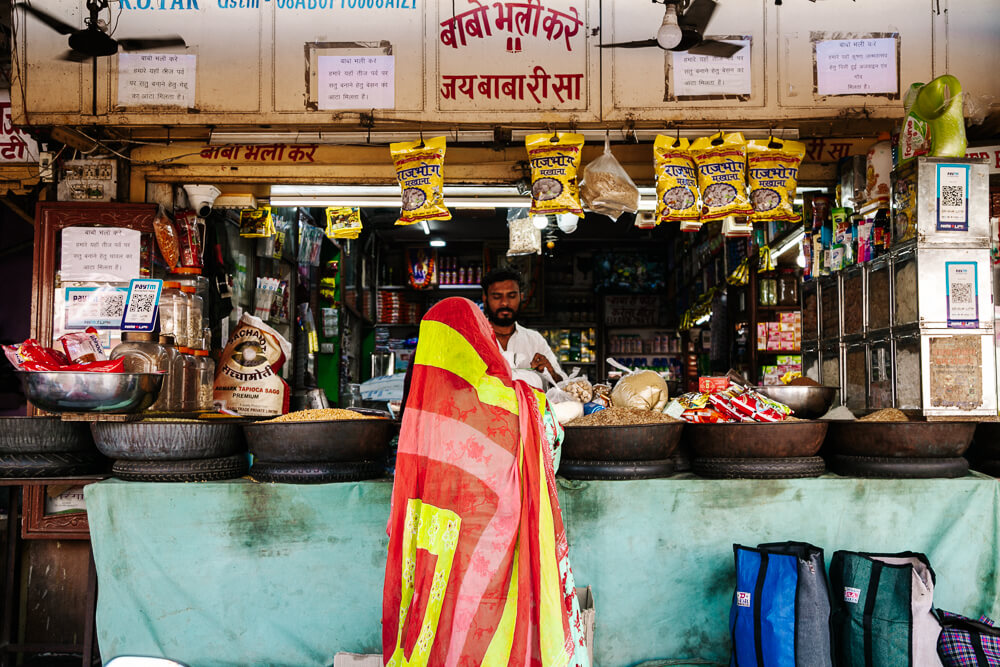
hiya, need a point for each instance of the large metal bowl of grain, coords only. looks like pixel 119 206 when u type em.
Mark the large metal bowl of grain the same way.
pixel 793 438
pixel 168 439
pixel 322 435
pixel 919 439
pixel 619 434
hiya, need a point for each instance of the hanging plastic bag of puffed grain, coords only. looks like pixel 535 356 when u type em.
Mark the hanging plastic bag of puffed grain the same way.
pixel 420 172
pixel 555 160
pixel 166 238
pixel 677 195
pixel 607 188
pixel 525 238
pixel 773 170
pixel 343 222
pixel 722 166
pixel 256 222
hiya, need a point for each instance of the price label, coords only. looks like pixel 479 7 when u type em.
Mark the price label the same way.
pixel 142 305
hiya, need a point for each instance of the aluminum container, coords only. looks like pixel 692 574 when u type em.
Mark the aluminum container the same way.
pixel 829 307
pixel 880 374
pixel 878 286
pixel 953 202
pixel 853 295
pixel 830 367
pixel 856 376
pixel 810 361
pixel 810 311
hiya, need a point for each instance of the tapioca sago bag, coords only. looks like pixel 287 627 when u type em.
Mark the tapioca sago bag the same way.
pixel 247 380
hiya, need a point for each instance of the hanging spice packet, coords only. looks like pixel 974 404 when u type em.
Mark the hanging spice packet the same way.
pixel 166 238
pixel 343 222
pixel 773 169
pixel 722 165
pixel 256 223
pixel 555 160
pixel 677 195
pixel 420 172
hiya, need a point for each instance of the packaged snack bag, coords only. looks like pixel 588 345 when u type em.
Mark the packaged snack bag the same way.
pixel 256 222
pixel 555 160
pixel 722 166
pixel 677 195
pixel 189 233
pixel 166 238
pixel 420 172
pixel 343 222
pixel 773 170
pixel 83 346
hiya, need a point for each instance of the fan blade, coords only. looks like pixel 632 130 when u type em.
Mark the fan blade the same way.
pixel 710 47
pixel 147 43
pixel 642 43
pixel 58 25
pixel 698 15
pixel 689 38
pixel 74 56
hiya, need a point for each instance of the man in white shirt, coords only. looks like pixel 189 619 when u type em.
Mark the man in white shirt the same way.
pixel 525 349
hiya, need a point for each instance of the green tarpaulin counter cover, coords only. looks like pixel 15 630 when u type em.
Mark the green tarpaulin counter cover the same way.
pixel 241 573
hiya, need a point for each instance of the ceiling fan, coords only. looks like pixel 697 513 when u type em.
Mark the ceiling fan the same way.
pixel 93 40
pixel 683 28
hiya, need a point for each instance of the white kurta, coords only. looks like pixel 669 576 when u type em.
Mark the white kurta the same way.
pixel 522 347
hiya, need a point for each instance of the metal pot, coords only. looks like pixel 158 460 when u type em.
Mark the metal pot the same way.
pixel 327 441
pixel 72 391
pixel 633 442
pixel 168 440
pixel 755 440
pixel 900 439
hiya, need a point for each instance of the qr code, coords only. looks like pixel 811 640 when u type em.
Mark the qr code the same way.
pixel 112 305
pixel 142 303
pixel 952 195
pixel 961 293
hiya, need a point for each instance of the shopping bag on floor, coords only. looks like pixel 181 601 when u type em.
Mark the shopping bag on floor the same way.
pixel 883 610
pixel 968 643
pixel 781 608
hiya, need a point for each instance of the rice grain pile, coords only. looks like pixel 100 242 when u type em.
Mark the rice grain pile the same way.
pixel 622 417
pixel 886 415
pixel 320 415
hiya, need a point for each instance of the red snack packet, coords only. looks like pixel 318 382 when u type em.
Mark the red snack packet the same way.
pixel 189 235
pixel 15 360
pixel 722 402
pixel 703 416
pixel 32 350
pixel 166 238
pixel 115 366
pixel 83 346
pixel 769 415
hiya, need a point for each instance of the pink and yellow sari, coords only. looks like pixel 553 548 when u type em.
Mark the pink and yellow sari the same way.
pixel 478 570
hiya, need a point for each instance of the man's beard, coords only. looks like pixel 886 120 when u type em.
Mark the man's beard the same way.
pixel 503 318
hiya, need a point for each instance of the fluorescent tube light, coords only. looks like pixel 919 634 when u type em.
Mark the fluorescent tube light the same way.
pixel 788 243
pixel 438 243
pixel 425 227
pixel 219 138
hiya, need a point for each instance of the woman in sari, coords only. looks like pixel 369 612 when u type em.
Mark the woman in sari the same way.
pixel 478 568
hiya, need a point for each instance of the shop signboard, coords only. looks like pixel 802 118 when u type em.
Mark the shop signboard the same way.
pixel 990 153
pixel 15 145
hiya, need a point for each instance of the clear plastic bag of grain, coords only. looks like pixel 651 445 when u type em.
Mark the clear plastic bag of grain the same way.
pixel 525 239
pixel 607 188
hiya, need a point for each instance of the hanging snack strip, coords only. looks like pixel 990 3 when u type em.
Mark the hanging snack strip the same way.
pixel 722 161
pixel 343 222
pixel 773 170
pixel 420 172
pixel 555 160
pixel 677 195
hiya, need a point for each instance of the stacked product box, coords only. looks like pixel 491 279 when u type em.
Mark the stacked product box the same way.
pixel 785 335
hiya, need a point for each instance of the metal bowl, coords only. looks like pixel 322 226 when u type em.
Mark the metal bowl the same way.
pixel 320 441
pixel 900 439
pixel 754 440
pixel 632 442
pixel 168 440
pixel 806 402
pixel 37 435
pixel 110 393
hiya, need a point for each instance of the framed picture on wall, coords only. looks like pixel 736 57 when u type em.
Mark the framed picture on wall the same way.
pixel 54 511
pixel 530 268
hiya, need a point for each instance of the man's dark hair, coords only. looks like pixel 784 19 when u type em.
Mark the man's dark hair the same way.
pixel 498 276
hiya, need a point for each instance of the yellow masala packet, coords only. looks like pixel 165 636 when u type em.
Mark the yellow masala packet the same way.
pixel 343 222
pixel 555 160
pixel 773 170
pixel 677 195
pixel 420 172
pixel 722 166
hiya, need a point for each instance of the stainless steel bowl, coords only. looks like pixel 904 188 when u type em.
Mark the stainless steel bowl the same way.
pixel 805 401
pixel 112 393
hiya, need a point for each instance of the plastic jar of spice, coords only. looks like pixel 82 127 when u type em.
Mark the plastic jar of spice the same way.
pixel 195 305
pixel 206 381
pixel 173 311
pixel 169 400
pixel 189 393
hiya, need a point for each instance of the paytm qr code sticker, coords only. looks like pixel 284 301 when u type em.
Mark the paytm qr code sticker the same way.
pixel 99 307
pixel 852 595
pixel 962 295
pixel 953 197
pixel 742 599
pixel 141 305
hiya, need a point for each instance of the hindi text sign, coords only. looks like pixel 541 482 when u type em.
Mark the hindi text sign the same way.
pixel 709 76
pixel 100 253
pixel 156 79
pixel 857 66
pixel 357 82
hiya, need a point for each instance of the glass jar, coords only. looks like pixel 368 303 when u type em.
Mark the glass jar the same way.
pixel 206 381
pixel 190 390
pixel 142 353
pixel 195 305
pixel 169 399
pixel 173 311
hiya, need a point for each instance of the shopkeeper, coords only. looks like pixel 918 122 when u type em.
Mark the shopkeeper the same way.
pixel 525 349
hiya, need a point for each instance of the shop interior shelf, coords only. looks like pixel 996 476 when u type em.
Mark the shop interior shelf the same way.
pixel 777 309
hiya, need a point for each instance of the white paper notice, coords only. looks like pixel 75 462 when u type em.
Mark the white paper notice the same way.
pixel 357 82
pixel 100 253
pixel 156 79
pixel 856 66
pixel 701 76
